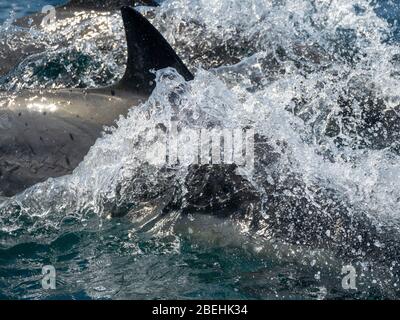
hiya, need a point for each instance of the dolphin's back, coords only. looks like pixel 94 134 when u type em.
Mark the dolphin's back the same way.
pixel 47 134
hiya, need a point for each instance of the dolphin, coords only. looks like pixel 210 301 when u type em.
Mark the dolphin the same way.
pixel 216 201
pixel 47 133
pixel 327 220
pixel 14 52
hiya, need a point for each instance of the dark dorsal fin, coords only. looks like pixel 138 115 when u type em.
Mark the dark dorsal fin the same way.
pixel 147 50
pixel 109 4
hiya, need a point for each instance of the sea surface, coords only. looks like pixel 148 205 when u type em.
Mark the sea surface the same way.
pixel 319 79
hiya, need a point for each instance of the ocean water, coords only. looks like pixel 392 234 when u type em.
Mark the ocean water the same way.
pixel 317 80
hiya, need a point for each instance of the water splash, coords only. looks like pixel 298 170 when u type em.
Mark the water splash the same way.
pixel 317 80
pixel 86 50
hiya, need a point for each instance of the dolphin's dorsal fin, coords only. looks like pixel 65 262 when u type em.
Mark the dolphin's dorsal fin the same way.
pixel 147 51
pixel 108 4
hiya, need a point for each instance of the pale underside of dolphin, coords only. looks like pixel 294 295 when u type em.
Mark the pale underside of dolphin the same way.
pixel 47 134
pixel 12 55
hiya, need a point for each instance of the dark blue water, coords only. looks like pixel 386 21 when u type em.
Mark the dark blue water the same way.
pixel 98 258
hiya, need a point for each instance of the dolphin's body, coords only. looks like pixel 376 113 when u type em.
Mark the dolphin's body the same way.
pixel 326 221
pixel 47 134
pixel 309 217
pixel 12 53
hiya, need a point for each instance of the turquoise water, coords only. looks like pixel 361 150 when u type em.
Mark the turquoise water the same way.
pixel 153 253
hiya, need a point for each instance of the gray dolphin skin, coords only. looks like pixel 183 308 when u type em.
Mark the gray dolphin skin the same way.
pixel 10 56
pixel 47 134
